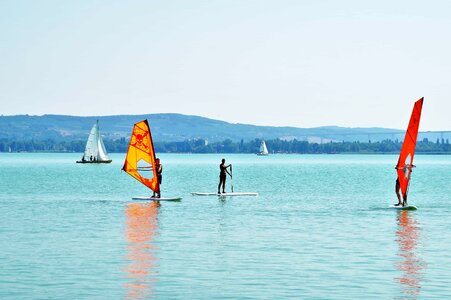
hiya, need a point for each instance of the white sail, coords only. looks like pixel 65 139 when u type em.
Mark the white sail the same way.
pixel 102 151
pixel 263 149
pixel 91 149
pixel 95 149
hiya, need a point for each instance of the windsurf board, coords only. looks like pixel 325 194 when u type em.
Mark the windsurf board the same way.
pixel 157 199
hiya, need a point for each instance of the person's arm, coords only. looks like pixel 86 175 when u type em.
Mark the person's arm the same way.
pixel 227 170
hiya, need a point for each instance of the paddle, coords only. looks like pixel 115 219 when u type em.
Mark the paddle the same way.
pixel 231 177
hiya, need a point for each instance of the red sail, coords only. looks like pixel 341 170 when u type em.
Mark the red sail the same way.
pixel 141 156
pixel 405 162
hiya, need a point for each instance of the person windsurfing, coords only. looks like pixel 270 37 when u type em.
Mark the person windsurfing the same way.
pixel 159 168
pixel 223 176
pixel 398 187
pixel 405 161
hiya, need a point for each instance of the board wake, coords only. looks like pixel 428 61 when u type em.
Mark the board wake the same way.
pixel 157 199
pixel 408 207
pixel 224 194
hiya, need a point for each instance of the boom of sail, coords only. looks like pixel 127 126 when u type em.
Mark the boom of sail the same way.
pixel 405 161
pixel 95 151
pixel 141 156
pixel 263 150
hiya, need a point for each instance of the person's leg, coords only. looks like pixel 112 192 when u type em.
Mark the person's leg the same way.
pixel 223 184
pixel 399 198
pixel 160 180
pixel 397 194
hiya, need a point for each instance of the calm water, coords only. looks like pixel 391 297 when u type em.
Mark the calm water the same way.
pixel 319 229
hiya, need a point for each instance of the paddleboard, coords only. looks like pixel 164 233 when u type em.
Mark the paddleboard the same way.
pixel 157 199
pixel 408 207
pixel 224 194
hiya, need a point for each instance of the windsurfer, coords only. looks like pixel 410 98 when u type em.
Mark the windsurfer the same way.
pixel 222 176
pixel 159 168
pixel 405 160
pixel 406 168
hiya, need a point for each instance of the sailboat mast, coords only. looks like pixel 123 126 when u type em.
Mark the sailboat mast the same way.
pixel 97 140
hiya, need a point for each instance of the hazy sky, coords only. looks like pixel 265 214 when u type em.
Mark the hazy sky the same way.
pixel 297 63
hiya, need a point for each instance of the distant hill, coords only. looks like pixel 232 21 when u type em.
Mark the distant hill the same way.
pixel 176 127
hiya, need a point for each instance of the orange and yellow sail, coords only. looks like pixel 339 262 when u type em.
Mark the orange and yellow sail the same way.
pixel 405 162
pixel 141 157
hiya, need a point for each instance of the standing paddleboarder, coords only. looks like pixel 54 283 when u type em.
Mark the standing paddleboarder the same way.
pixel 223 175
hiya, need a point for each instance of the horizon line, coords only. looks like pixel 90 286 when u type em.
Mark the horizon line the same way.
pixel 210 118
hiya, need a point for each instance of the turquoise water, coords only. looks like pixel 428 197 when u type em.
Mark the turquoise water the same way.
pixel 321 228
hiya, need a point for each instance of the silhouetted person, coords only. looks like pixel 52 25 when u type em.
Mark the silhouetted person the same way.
pixel 398 186
pixel 223 176
pixel 159 168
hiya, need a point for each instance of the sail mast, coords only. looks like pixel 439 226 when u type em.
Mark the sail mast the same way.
pixel 405 161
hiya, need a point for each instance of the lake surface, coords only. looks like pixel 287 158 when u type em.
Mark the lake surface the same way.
pixel 320 228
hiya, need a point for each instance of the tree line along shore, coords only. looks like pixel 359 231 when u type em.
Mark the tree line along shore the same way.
pixel 440 146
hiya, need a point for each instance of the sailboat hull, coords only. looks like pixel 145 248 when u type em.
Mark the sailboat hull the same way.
pixel 94 162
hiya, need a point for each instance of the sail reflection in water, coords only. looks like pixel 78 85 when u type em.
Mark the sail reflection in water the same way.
pixel 411 266
pixel 140 231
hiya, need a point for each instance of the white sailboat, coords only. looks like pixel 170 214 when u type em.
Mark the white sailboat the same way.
pixel 263 150
pixel 95 152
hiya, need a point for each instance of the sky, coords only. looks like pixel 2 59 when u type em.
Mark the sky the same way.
pixel 303 63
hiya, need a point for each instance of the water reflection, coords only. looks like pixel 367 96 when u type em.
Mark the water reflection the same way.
pixel 410 265
pixel 141 227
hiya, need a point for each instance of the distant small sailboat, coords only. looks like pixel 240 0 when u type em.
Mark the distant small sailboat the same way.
pixel 405 161
pixel 95 152
pixel 9 150
pixel 141 158
pixel 263 150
